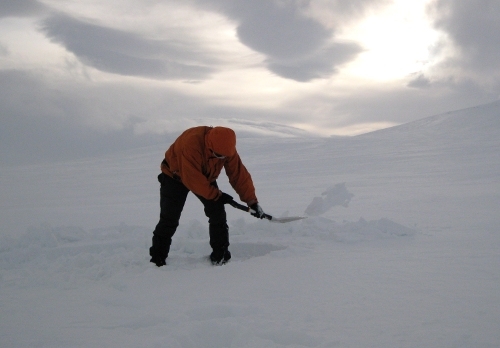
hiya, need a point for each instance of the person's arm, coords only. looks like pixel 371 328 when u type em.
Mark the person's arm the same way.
pixel 240 179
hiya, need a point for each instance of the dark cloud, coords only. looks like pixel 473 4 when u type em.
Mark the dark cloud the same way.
pixel 296 46
pixel 321 64
pixel 469 74
pixel 20 8
pixel 125 53
pixel 474 27
pixel 420 82
pixel 281 32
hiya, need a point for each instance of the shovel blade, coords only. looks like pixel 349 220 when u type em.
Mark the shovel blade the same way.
pixel 287 219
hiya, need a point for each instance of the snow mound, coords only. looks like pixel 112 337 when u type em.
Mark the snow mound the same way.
pixel 334 196
pixel 68 256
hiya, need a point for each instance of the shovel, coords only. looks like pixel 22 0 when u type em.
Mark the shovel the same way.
pixel 268 217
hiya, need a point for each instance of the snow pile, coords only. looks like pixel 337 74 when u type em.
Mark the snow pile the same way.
pixel 67 256
pixel 334 196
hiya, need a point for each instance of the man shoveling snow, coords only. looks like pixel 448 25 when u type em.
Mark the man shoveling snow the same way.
pixel 193 163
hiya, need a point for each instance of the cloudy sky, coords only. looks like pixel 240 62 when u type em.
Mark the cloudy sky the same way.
pixel 82 76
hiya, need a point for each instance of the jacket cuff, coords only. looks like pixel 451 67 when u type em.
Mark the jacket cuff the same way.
pixel 252 202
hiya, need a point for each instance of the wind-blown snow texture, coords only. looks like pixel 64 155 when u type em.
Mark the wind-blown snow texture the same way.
pixel 400 249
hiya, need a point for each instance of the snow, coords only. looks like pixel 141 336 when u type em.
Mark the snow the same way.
pixel 400 247
pixel 337 195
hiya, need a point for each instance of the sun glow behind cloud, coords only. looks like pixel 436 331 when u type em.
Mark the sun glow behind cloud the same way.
pixel 398 41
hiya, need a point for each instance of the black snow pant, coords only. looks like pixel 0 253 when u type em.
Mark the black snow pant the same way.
pixel 173 196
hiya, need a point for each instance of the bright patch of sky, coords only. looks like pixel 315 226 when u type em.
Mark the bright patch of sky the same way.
pixel 398 40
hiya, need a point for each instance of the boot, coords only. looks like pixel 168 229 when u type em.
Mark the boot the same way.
pixel 157 260
pixel 219 241
pixel 220 257
pixel 159 250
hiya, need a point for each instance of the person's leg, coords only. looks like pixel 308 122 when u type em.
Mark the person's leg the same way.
pixel 218 230
pixel 172 199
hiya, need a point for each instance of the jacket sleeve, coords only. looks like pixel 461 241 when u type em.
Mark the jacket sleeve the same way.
pixel 191 173
pixel 240 179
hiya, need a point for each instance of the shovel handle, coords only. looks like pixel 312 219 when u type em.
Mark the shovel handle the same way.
pixel 247 209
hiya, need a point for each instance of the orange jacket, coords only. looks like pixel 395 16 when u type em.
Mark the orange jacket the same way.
pixel 191 160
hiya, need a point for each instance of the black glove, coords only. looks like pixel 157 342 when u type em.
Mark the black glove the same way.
pixel 257 211
pixel 225 198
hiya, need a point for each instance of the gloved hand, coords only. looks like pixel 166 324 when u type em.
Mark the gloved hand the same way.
pixel 225 198
pixel 257 211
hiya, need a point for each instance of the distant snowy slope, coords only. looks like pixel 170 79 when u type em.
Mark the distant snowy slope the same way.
pixel 248 128
pixel 266 129
pixel 480 122
pixel 406 170
pixel 463 143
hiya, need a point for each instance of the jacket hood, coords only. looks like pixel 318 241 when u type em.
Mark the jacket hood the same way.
pixel 222 141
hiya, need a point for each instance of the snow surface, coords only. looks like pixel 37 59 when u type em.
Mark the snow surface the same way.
pixel 400 249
